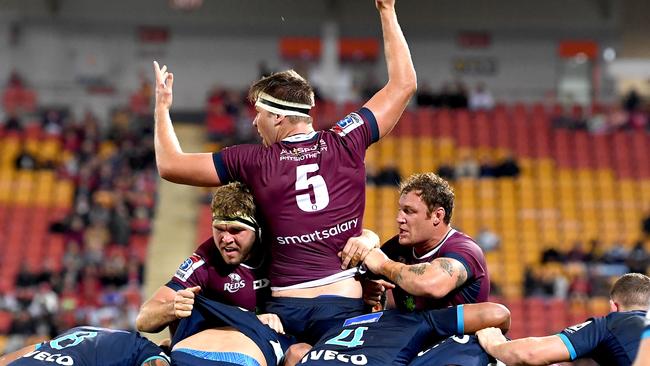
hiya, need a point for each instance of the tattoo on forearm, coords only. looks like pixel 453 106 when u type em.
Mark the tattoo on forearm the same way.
pixel 446 265
pixel 418 269
pixel 396 274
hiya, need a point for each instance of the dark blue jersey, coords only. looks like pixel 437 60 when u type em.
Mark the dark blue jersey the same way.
pixel 209 314
pixel 90 346
pixel 455 350
pixel 609 340
pixel 383 338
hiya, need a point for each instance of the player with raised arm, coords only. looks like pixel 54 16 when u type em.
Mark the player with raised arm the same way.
pixel 310 185
pixel 90 346
pixel 393 337
pixel 609 340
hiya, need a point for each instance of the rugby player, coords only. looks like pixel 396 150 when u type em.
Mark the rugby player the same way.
pixel 90 346
pixel 225 267
pixel 393 337
pixel 609 340
pixel 432 264
pixel 310 185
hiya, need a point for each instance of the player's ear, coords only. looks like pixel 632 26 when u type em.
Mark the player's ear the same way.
pixel 613 307
pixel 438 216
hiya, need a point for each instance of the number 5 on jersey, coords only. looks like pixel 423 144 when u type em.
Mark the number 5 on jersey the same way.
pixel 317 184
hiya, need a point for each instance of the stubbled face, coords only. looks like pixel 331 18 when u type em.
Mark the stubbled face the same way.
pixel 234 242
pixel 415 226
pixel 265 123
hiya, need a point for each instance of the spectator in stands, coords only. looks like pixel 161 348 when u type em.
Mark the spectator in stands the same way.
pixel 25 160
pixel 508 167
pixel 551 254
pixel 632 101
pixel 645 224
pixel 576 253
pixel 432 265
pixel 638 258
pixel 425 97
pixel 467 167
pixel 488 240
pixel 220 125
pixel 458 97
pixel 594 254
pixel 481 98
pixel 609 340
pixel 388 175
pixel 13 123
pixel 446 171
pixel 487 167
pixel 52 123
pixel 616 254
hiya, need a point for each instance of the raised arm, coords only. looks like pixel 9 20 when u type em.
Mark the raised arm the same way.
pixel 388 103
pixel 525 351
pixel 435 279
pixel 174 165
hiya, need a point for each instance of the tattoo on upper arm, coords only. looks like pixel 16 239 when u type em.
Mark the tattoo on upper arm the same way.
pixel 462 277
pixel 446 265
pixel 419 269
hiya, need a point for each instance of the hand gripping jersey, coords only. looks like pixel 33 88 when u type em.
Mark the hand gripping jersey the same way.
pixel 463 351
pixel 241 285
pixel 209 314
pixel 90 346
pixel 310 191
pixel 455 245
pixel 609 340
pixel 383 338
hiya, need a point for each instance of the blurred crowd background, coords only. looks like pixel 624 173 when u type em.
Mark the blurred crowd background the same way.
pixel 542 131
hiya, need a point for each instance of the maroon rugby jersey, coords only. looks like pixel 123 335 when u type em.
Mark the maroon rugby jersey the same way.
pixel 310 191
pixel 243 285
pixel 458 246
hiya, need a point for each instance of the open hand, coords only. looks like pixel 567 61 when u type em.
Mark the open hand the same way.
pixel 164 84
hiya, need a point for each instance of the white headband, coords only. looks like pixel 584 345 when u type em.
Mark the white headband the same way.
pixel 282 107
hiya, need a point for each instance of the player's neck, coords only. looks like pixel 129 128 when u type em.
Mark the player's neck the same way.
pixel 436 240
pixel 297 129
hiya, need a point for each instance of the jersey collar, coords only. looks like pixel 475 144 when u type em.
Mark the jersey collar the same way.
pixel 435 250
pixel 300 137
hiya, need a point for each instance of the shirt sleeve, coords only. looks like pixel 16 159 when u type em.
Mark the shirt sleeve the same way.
pixel 236 163
pixel 189 274
pixel 446 322
pixel 581 339
pixel 150 351
pixel 358 128
pixel 465 255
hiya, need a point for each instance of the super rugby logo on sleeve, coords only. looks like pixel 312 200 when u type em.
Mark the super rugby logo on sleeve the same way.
pixel 188 266
pixel 347 124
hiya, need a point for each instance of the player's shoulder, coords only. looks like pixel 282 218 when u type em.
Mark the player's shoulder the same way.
pixel 394 250
pixel 352 121
pixel 461 241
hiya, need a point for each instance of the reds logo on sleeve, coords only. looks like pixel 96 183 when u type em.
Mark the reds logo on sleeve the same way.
pixel 347 124
pixel 188 266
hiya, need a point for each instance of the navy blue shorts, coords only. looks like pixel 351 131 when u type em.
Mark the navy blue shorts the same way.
pixel 309 318
pixel 211 314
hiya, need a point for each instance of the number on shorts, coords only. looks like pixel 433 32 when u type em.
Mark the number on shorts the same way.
pixel 321 195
